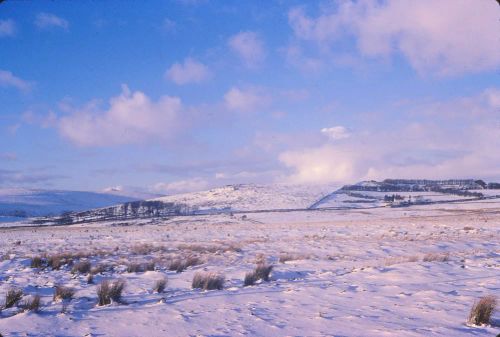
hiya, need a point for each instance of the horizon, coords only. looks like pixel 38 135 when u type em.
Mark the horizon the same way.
pixel 147 99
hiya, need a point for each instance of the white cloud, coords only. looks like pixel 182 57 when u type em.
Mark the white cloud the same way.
pixel 249 48
pixel 181 186
pixel 336 132
pixel 132 117
pixel 247 100
pixel 462 41
pixel 7 79
pixel 464 144
pixel 7 28
pixel 48 20
pixel 191 71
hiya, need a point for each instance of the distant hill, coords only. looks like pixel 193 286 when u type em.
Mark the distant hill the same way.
pixel 401 192
pixel 19 203
pixel 245 198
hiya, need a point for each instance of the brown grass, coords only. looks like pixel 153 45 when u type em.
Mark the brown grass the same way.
pixel 108 292
pixel 180 264
pixel 160 285
pixel 13 296
pixel 436 257
pixel 482 310
pixel 32 304
pixel 63 293
pixel 82 267
pixel 208 281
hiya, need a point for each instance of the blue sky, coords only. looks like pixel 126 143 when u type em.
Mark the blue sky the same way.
pixel 174 96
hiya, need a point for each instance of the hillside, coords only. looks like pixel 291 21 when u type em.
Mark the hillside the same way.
pixel 21 203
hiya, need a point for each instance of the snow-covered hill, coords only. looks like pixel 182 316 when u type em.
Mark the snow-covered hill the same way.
pixel 19 203
pixel 401 192
pixel 252 197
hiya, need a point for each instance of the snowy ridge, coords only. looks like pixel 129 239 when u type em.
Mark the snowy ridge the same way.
pixel 245 197
pixel 31 202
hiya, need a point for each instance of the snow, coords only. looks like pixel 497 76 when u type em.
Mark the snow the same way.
pixel 359 272
pixel 253 197
pixel 53 202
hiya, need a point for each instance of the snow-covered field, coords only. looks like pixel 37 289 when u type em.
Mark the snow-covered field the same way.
pixel 349 273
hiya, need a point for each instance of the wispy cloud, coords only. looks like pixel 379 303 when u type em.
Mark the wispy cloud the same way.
pixel 48 20
pixel 30 177
pixel 245 100
pixel 8 79
pixel 7 28
pixel 465 40
pixel 190 71
pixel 249 47
pixel 336 132
pixel 180 186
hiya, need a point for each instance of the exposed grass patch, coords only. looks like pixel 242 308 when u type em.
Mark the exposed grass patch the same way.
pixel 180 264
pixel 285 257
pixel 63 293
pixel 32 303
pixel 261 272
pixel 482 310
pixel 82 267
pixel 12 297
pixel 36 262
pixel 208 281
pixel 140 267
pixel 160 285
pixel 400 259
pixel 436 257
pixel 108 292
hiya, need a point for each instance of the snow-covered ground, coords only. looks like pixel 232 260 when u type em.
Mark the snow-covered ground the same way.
pixel 16 203
pixel 350 273
pixel 246 197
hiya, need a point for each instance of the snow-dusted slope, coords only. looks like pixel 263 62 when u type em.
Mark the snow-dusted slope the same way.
pixel 26 203
pixel 398 192
pixel 252 197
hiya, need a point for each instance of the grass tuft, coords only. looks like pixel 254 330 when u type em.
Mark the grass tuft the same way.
pixel 482 310
pixel 32 304
pixel 82 267
pixel 160 285
pixel 208 281
pixel 63 293
pixel 108 292
pixel 13 296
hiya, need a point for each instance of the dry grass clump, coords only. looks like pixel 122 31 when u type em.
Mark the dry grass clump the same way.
pixel 285 257
pixel 63 293
pixel 180 264
pixel 32 303
pixel 400 259
pixel 160 285
pixel 82 267
pixel 146 249
pixel 140 267
pixel 36 262
pixel 108 292
pixel 13 296
pixel 250 279
pixel 208 281
pixel 211 248
pixel 262 272
pixel 482 310
pixel 436 257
